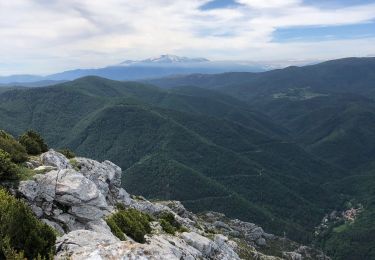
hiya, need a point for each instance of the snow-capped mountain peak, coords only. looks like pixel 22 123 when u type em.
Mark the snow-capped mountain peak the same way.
pixel 174 59
pixel 166 59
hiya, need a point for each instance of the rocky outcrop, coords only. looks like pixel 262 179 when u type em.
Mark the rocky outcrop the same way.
pixel 74 197
pixel 66 198
pixel 163 246
pixel 55 159
pixel 218 248
pixel 253 234
pixel 71 198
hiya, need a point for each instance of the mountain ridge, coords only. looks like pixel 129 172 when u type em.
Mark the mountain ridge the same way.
pixel 163 65
pixel 342 75
pixel 196 131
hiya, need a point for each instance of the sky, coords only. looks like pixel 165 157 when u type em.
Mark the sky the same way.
pixel 46 36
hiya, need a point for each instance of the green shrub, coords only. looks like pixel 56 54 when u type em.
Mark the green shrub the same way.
pixel 10 145
pixel 75 164
pixel 9 253
pixel 120 206
pixel 21 232
pixel 169 223
pixel 115 229
pixel 8 169
pixel 25 173
pixel 67 153
pixel 167 227
pixel 132 222
pixel 33 143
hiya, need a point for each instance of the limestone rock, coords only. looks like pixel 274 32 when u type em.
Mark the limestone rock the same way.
pixel 292 256
pixel 99 226
pixel 122 197
pixel 217 249
pixel 32 164
pixel 178 208
pixel 150 208
pixel 65 196
pixel 47 185
pixel 220 224
pixel 86 213
pixel 73 188
pixel 37 211
pixel 201 243
pixel 55 159
pixel 261 242
pixel 159 247
pixel 45 168
pixel 78 239
pixel 67 220
pixel 30 189
pixel 54 225
pixel 253 234
pixel 226 247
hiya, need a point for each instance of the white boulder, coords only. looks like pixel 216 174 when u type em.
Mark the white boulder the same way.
pixel 55 159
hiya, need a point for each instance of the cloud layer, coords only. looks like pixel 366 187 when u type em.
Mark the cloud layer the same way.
pixel 42 36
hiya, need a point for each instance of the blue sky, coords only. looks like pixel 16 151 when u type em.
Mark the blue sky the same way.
pixel 220 4
pixel 314 33
pixel 319 3
pixel 40 36
pixel 324 33
pixel 336 3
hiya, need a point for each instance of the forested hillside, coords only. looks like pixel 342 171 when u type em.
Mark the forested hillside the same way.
pixel 327 107
pixel 206 149
pixel 329 110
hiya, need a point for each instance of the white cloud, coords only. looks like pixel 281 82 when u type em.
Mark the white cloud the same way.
pixel 50 35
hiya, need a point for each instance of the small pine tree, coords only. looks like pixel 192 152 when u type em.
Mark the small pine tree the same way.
pixel 10 145
pixel 8 169
pixel 131 222
pixel 21 233
pixel 169 223
pixel 67 153
pixel 33 143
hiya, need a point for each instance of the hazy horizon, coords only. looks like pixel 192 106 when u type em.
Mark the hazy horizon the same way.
pixel 268 64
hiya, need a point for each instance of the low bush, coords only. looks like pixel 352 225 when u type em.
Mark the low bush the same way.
pixel 120 206
pixel 167 227
pixel 67 153
pixel 75 164
pixel 33 143
pixel 21 233
pixel 10 145
pixel 131 222
pixel 115 229
pixel 169 223
pixel 8 169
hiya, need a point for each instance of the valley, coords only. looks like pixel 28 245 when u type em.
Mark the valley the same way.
pixel 260 147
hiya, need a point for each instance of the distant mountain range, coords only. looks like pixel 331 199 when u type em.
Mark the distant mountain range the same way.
pixel 282 148
pixel 353 75
pixel 333 93
pixel 165 65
